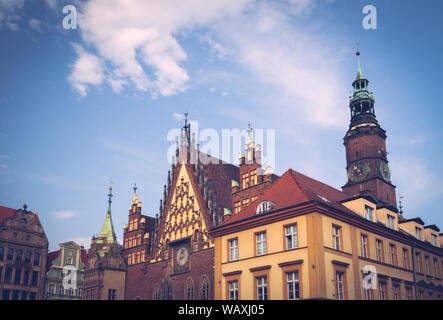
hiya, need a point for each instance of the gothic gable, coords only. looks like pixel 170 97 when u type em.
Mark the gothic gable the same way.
pixel 184 216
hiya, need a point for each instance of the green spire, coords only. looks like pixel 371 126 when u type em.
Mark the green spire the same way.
pixel 359 73
pixel 107 234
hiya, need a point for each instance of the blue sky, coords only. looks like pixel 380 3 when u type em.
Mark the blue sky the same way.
pixel 79 107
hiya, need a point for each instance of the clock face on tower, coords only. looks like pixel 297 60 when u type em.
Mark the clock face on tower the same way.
pixel 182 256
pixel 384 171
pixel 358 171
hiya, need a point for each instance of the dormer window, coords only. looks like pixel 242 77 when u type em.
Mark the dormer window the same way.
pixel 368 213
pixel 418 233
pixel 434 239
pixel 391 221
pixel 264 206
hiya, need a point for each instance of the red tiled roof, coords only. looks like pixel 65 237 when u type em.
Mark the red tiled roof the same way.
pixel 84 256
pixel 51 257
pixel 294 188
pixel 6 212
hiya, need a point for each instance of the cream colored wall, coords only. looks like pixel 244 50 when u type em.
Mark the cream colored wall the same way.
pixel 321 254
pixel 276 254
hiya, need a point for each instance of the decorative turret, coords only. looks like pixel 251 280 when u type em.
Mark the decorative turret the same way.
pixel 362 102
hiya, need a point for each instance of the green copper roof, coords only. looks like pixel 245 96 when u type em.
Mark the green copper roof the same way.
pixel 107 234
pixel 359 73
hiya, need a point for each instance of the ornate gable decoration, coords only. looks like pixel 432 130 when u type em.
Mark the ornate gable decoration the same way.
pixel 183 218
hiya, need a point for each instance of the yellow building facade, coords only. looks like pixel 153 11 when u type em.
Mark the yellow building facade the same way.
pixel 344 248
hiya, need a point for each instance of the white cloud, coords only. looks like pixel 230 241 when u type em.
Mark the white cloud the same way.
pixel 178 116
pixel 35 24
pixel 137 39
pixel 300 66
pixel 82 241
pixel 224 93
pixel 421 188
pixel 52 3
pixel 65 214
pixel 219 51
pixel 9 15
pixel 87 70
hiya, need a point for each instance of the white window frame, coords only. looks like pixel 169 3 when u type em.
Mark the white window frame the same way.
pixel 379 250
pixel 339 283
pixel 336 237
pixel 262 287
pixel 233 249
pixel 294 284
pixel 291 236
pixel 233 290
pixel 369 213
pixel 260 239
pixel 364 246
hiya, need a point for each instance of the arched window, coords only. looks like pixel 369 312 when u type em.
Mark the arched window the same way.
pixel 157 292
pixel 170 293
pixel 204 288
pixel 189 290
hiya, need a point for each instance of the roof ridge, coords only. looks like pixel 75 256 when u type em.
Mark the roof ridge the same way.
pixel 297 183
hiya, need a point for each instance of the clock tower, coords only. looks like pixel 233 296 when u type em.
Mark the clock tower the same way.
pixel 365 142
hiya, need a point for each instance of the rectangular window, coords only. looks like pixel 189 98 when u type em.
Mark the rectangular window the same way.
pixel 111 294
pixel 26 277
pixel 368 294
pixel 434 239
pixel 392 254
pixel 364 246
pixel 391 221
pixel 291 236
pixel 339 287
pixel 382 286
pixel 405 258
pixel 18 256
pixel 262 288
pixel 379 249
pixel 233 290
pixel 5 294
pixel 27 257
pixel 368 213
pixel 36 259
pixel 15 294
pixel 233 249
pixel 293 285
pixel 427 265
pixel 2 253
pixel 8 275
pixel 396 292
pixel 261 243
pixel 34 279
pixel 408 293
pixel 417 262
pixel 418 233
pixel 18 274
pixel 10 255
pixel 336 233
pixel 436 274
